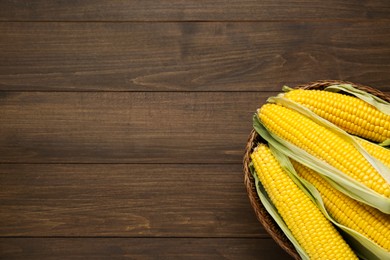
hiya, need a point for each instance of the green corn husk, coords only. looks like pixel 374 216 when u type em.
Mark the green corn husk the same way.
pixel 373 100
pixel 362 246
pixel 271 209
pixel 339 180
pixel 359 139
pixel 383 170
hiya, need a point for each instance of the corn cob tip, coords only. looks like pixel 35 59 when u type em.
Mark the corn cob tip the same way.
pixel 347 112
pixel 322 143
pixel 306 222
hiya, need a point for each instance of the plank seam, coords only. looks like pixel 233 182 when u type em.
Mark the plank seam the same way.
pixel 319 20
pixel 262 236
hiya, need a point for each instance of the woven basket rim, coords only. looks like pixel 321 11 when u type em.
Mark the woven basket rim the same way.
pixel 261 213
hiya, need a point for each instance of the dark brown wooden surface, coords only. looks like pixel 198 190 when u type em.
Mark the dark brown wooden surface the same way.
pixel 130 127
pixel 220 56
pixel 140 248
pixel 136 200
pixel 191 10
pixel 123 123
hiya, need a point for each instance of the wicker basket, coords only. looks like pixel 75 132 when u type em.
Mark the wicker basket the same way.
pixel 262 215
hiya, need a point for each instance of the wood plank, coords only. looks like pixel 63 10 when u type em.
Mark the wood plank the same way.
pixel 191 10
pixel 130 127
pixel 140 248
pixel 191 56
pixel 137 200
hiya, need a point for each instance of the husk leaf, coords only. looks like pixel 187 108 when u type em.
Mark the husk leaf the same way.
pixel 373 100
pixel 271 209
pixel 382 169
pixel 363 246
pixel 338 180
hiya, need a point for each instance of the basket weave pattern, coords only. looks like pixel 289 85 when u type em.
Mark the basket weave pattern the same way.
pixel 261 213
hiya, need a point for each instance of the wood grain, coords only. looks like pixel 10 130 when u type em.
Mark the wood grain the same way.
pixel 191 10
pixel 174 56
pixel 123 123
pixel 140 248
pixel 128 200
pixel 130 127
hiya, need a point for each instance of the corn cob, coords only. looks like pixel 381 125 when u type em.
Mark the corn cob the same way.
pixel 349 113
pixel 323 144
pixel 380 153
pixel 368 221
pixel 312 230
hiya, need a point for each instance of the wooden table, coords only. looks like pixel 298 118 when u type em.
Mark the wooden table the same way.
pixel 123 123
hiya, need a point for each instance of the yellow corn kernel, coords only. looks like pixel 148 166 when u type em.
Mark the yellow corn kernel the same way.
pixel 379 152
pixel 349 113
pixel 308 225
pixel 364 219
pixel 323 144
